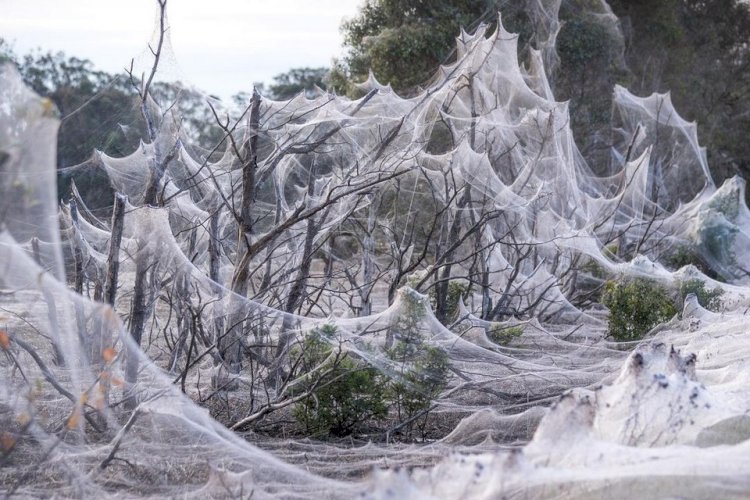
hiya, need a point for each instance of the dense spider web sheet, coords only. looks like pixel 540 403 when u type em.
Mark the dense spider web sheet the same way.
pixel 535 229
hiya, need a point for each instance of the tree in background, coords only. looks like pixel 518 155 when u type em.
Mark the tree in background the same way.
pixel 591 61
pixel 71 84
pixel 698 51
pixel 296 80
pixel 695 49
pixel 97 111
pixel 404 41
pixel 287 85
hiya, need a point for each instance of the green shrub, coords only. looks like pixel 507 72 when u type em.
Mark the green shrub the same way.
pixel 594 269
pixel 612 250
pixel 710 299
pixel 728 205
pixel 717 238
pixel 347 392
pixel 422 380
pixel 684 255
pixel 457 290
pixel 503 335
pixel 718 242
pixel 635 307
pixel 423 368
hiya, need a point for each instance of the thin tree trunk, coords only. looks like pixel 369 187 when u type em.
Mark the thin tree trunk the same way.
pixel 78 278
pixel 368 264
pixel 102 336
pixel 214 263
pixel 35 250
pixel 184 316
pixel 230 343
pixel 113 257
pixel 441 289
pixel 249 168
pixel 137 322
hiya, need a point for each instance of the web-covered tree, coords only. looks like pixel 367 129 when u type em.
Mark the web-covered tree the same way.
pixel 692 48
pixel 697 50
pixel 404 41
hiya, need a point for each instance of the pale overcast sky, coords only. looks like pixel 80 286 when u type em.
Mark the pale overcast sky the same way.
pixel 220 46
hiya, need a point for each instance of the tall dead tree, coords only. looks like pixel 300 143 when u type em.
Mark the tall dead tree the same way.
pixel 157 166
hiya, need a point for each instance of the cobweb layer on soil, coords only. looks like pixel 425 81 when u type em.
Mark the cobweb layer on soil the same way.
pixel 356 215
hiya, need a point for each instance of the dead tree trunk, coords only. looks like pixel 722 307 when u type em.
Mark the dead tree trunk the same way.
pixel 78 270
pixel 138 313
pixel 368 251
pixel 214 262
pixel 249 170
pixel 157 166
pixel 442 287
pixel 35 250
pixel 184 312
pixel 113 257
pixel 230 343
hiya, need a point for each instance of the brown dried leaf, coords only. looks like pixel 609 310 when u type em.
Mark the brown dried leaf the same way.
pixel 74 418
pixel 4 340
pixel 109 354
pixel 7 441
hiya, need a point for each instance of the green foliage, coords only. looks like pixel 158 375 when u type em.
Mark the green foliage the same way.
pixel 694 48
pixel 337 80
pixel 612 250
pixel 414 392
pixel 404 41
pixel 728 205
pixel 593 268
pixel 710 299
pixel 635 307
pixel 6 52
pixel 101 111
pixel 584 42
pixel 197 119
pixel 412 281
pixel 455 292
pixel 92 104
pixel 346 393
pixel 405 327
pixel 717 241
pixel 503 335
pixel 591 62
pixel 681 256
pixel 441 139
pixel 423 368
pixel 297 80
